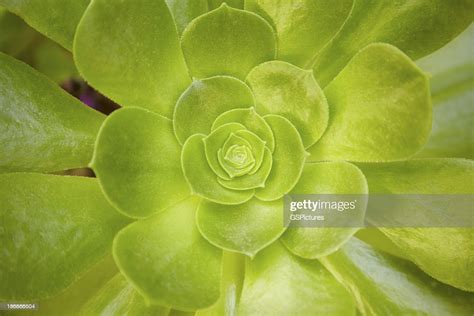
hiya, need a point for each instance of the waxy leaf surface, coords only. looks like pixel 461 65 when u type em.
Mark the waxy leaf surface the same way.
pixel 452 92
pixel 286 167
pixel 283 89
pixel 137 160
pixel 181 272
pixel 380 109
pixel 129 50
pixel 227 41
pixel 52 230
pixel 57 19
pixel 386 285
pixel 417 27
pixel 445 253
pixel 42 128
pixel 303 26
pixel 118 297
pixel 279 283
pixel 244 228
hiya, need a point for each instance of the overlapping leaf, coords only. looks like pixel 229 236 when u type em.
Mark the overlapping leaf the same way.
pixel 65 225
pixel 445 253
pixel 386 285
pixel 42 128
pixel 129 51
pixel 137 160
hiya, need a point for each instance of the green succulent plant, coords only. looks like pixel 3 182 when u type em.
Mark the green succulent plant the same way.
pixel 227 108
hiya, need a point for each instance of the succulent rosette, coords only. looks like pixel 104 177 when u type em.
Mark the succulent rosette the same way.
pixel 226 109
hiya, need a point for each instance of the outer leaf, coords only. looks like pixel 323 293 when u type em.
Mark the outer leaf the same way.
pixel 453 119
pixel 303 26
pixel 227 41
pixel 129 50
pixel 233 270
pixel 444 253
pixel 65 224
pixel 42 128
pixel 205 100
pixel 283 89
pixel 286 168
pixel 214 4
pixel 16 35
pixel 452 91
pixel 175 272
pixel 325 178
pixel 251 120
pixel 455 55
pixel 385 285
pixel 76 295
pixel 278 283
pixel 201 178
pixel 118 297
pixel 57 19
pixel 417 27
pixel 375 238
pixel 185 11
pixel 375 104
pixel 137 160
pixel 246 228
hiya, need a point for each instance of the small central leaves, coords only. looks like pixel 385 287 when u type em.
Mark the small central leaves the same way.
pixel 239 156
pixel 236 156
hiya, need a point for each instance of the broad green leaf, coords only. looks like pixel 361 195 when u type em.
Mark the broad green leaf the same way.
pixel 53 229
pixel 456 54
pixel 16 35
pixel 205 100
pixel 279 283
pixel 129 50
pixel 251 181
pixel 214 142
pixel 283 89
pixel 286 168
pixel 227 41
pixel 201 178
pixel 386 285
pixel 42 128
pixel 54 61
pixel 245 228
pixel 168 261
pixel 251 120
pixel 444 253
pixel 452 89
pixel 303 26
pixel 184 11
pixel 118 297
pixel 453 120
pixel 233 270
pixel 137 160
pixel 325 178
pixel 214 4
pixel 417 27
pixel 375 238
pixel 75 296
pixel 380 109
pixel 57 19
